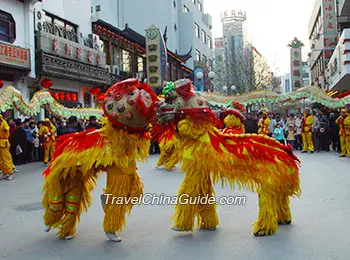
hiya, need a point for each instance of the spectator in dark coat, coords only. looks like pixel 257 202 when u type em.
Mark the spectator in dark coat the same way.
pixel 251 124
pixel 93 123
pixel 71 127
pixel 19 140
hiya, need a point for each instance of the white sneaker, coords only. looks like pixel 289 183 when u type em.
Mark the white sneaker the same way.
pixel 10 177
pixel 3 176
pixel 69 237
pixel 15 170
pixel 47 228
pixel 113 237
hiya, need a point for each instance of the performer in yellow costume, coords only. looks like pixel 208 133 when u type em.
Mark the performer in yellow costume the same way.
pixel 129 107
pixel 255 162
pixel 306 131
pixel 169 143
pixel 344 132
pixel 6 164
pixel 233 119
pixel 264 122
pixel 47 132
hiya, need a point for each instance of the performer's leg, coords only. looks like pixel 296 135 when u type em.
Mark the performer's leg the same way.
pixel 267 221
pixel 195 184
pixel 120 186
pixel 72 202
pixel 52 149
pixel 310 142
pixel 52 202
pixel 347 143
pixel 343 145
pixel 304 137
pixel 6 164
pixel 284 216
pixel 207 215
pixel 46 147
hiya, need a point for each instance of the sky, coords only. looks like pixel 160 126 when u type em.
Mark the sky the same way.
pixel 271 25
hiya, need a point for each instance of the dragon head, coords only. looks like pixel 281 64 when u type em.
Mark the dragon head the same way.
pixel 130 105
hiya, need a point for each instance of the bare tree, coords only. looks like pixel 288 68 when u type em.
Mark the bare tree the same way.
pixel 249 71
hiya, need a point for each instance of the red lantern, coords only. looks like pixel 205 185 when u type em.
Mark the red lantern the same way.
pixel 95 91
pixel 68 97
pixel 1 83
pixel 62 95
pixel 56 96
pixel 74 97
pixel 100 97
pixel 46 83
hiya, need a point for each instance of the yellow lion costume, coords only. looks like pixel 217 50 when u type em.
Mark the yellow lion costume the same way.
pixel 255 162
pixel 129 107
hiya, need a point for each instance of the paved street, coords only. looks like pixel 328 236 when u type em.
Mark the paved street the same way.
pixel 320 228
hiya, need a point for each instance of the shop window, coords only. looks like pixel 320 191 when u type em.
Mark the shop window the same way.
pixel 126 61
pixel 139 64
pixel 199 5
pixel 196 30
pixel 198 55
pixel 205 59
pixel 7 27
pixel 204 37
pixel 209 42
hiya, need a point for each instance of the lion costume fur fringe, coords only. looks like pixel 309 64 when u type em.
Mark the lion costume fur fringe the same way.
pixel 254 162
pixel 72 174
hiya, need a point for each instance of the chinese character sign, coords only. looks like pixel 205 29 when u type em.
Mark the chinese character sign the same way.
pixel 330 27
pixel 296 67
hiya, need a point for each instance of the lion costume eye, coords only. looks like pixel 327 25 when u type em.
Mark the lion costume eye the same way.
pixel 110 105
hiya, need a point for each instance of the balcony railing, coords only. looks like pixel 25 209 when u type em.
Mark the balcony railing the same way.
pixel 68 34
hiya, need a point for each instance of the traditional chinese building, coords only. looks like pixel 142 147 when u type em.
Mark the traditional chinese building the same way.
pixel 338 68
pixel 17 45
pixel 126 54
pixel 323 36
pixel 67 53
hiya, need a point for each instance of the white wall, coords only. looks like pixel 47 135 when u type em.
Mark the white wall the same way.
pixel 75 11
pixel 197 17
pixel 141 14
pixel 110 11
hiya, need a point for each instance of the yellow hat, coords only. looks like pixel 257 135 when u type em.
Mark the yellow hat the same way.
pixel 47 120
pixel 343 110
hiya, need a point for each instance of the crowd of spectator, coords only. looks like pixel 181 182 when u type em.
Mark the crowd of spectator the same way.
pixel 287 130
pixel 27 143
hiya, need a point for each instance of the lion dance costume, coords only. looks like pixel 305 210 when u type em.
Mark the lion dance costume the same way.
pixel 264 122
pixel 344 132
pixel 47 133
pixel 306 131
pixel 129 107
pixel 6 163
pixel 233 119
pixel 255 162
pixel 169 143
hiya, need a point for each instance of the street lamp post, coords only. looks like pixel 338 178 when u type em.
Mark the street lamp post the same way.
pixel 233 89
pixel 199 76
pixel 211 76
